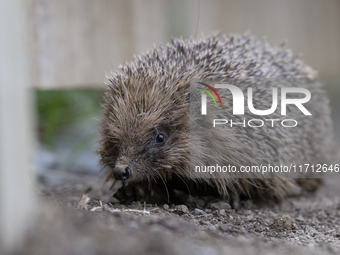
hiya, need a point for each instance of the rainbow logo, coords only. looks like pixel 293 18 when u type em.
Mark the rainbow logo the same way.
pixel 209 93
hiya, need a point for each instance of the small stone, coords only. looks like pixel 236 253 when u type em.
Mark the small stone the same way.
pixel 220 206
pixel 198 212
pixel 285 222
pixel 329 232
pixel 224 227
pixel 181 209
pixel 222 212
pixel 248 212
pixel 215 213
pixel 166 207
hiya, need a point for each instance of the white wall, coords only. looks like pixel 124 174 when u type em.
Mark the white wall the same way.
pixel 16 178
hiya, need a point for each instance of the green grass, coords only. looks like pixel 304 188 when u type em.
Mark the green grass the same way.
pixel 58 110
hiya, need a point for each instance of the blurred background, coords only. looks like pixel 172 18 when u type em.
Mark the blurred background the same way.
pixel 75 43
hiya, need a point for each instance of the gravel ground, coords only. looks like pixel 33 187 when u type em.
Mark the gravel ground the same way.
pixel 77 217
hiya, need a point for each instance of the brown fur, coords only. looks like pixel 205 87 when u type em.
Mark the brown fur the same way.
pixel 151 95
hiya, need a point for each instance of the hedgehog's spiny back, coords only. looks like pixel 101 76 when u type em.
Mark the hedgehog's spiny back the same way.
pixel 216 57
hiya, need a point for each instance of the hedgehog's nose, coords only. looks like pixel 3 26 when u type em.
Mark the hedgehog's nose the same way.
pixel 122 172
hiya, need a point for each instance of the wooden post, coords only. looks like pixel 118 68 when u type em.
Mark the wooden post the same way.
pixel 16 177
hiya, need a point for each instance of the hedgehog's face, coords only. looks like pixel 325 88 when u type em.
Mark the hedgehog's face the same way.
pixel 145 138
pixel 145 155
pixel 122 171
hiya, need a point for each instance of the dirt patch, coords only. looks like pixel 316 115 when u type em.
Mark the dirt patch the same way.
pixel 78 217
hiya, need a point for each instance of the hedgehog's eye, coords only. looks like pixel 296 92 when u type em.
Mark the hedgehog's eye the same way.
pixel 160 138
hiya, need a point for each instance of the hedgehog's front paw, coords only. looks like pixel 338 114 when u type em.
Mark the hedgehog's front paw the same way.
pixel 127 193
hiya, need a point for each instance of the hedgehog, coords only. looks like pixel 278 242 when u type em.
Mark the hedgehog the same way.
pixel 151 137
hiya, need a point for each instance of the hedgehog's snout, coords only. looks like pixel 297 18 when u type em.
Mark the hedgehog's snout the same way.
pixel 122 172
